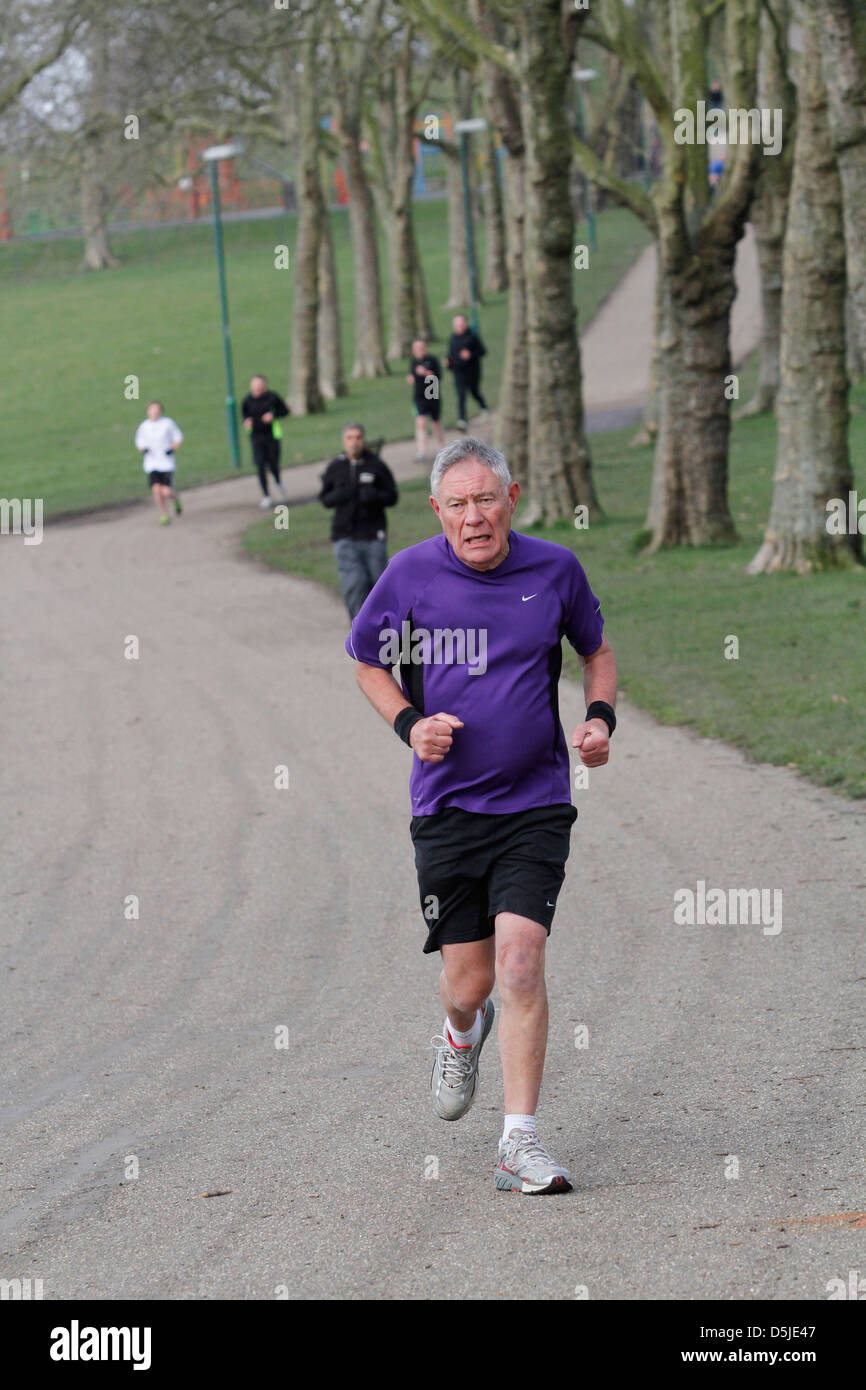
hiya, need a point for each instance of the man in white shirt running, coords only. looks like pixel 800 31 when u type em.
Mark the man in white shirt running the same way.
pixel 157 437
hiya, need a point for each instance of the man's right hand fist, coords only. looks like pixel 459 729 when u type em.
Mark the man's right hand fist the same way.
pixel 431 738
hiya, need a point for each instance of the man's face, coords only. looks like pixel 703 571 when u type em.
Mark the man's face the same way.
pixel 475 511
pixel 460 324
pixel 353 442
pixel 154 410
pixel 419 348
pixel 258 386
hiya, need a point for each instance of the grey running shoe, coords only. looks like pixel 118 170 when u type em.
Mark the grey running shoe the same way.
pixel 526 1166
pixel 454 1079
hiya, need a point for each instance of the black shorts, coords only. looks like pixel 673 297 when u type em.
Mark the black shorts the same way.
pixel 154 476
pixel 472 866
pixel 430 408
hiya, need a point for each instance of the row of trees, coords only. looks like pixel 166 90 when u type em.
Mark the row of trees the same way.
pixel 808 206
pixel 378 66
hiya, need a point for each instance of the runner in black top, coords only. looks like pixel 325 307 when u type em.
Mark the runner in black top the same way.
pixel 465 351
pixel 260 408
pixel 424 376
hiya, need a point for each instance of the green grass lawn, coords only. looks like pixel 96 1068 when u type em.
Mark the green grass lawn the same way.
pixel 70 340
pixel 797 693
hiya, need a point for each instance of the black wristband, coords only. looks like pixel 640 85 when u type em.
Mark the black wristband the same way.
pixel 599 709
pixel 405 721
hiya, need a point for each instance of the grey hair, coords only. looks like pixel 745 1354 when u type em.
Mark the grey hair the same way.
pixel 470 448
pixel 355 425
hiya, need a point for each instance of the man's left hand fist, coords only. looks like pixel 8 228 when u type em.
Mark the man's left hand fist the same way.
pixel 591 739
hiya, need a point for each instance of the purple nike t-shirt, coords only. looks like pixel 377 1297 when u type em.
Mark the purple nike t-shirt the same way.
pixel 485 646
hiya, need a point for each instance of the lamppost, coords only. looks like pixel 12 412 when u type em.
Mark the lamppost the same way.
pixel 463 128
pixel 212 157
pixel 586 75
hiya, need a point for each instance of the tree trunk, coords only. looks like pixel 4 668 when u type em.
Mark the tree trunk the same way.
pixel 501 101
pixel 697 241
pixel 560 468
pixel 402 288
pixel 512 422
pixel 843 53
pixel 332 381
pixel 94 206
pixel 770 210
pixel 648 432
pixel 305 397
pixel 812 464
pixel 459 293
pixel 690 470
pixel 420 301
pixel 369 338
pixel 495 269
pixel 769 219
pixel 402 315
pixel 855 357
pixel 95 199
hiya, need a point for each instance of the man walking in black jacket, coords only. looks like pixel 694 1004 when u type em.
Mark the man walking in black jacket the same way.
pixel 358 485
pixel 465 351
pixel 261 408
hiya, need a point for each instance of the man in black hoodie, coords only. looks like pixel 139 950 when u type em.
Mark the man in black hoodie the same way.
pixel 465 351
pixel 358 485
pixel 260 409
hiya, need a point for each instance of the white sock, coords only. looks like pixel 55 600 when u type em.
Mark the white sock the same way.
pixel 519 1122
pixel 465 1039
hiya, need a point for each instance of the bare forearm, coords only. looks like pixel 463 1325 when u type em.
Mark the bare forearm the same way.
pixel 600 676
pixel 384 694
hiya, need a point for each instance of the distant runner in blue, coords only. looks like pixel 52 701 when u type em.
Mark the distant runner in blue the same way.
pixel 472 622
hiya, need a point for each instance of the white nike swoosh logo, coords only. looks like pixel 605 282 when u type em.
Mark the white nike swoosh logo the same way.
pixel 527 597
pixel 551 904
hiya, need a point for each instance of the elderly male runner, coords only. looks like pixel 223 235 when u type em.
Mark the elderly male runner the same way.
pixel 474 620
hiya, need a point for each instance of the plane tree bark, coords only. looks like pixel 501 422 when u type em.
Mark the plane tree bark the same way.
pixel 697 236
pixel 351 59
pixel 769 214
pixel 812 462
pixel 843 62
pixel 305 395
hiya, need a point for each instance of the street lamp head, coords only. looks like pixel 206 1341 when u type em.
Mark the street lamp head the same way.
pixel 227 151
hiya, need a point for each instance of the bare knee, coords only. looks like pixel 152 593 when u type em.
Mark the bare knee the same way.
pixel 520 968
pixel 468 989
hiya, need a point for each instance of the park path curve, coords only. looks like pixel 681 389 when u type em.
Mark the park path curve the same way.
pixel 615 348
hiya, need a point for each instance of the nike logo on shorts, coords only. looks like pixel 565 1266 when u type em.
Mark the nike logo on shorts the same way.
pixel 527 597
